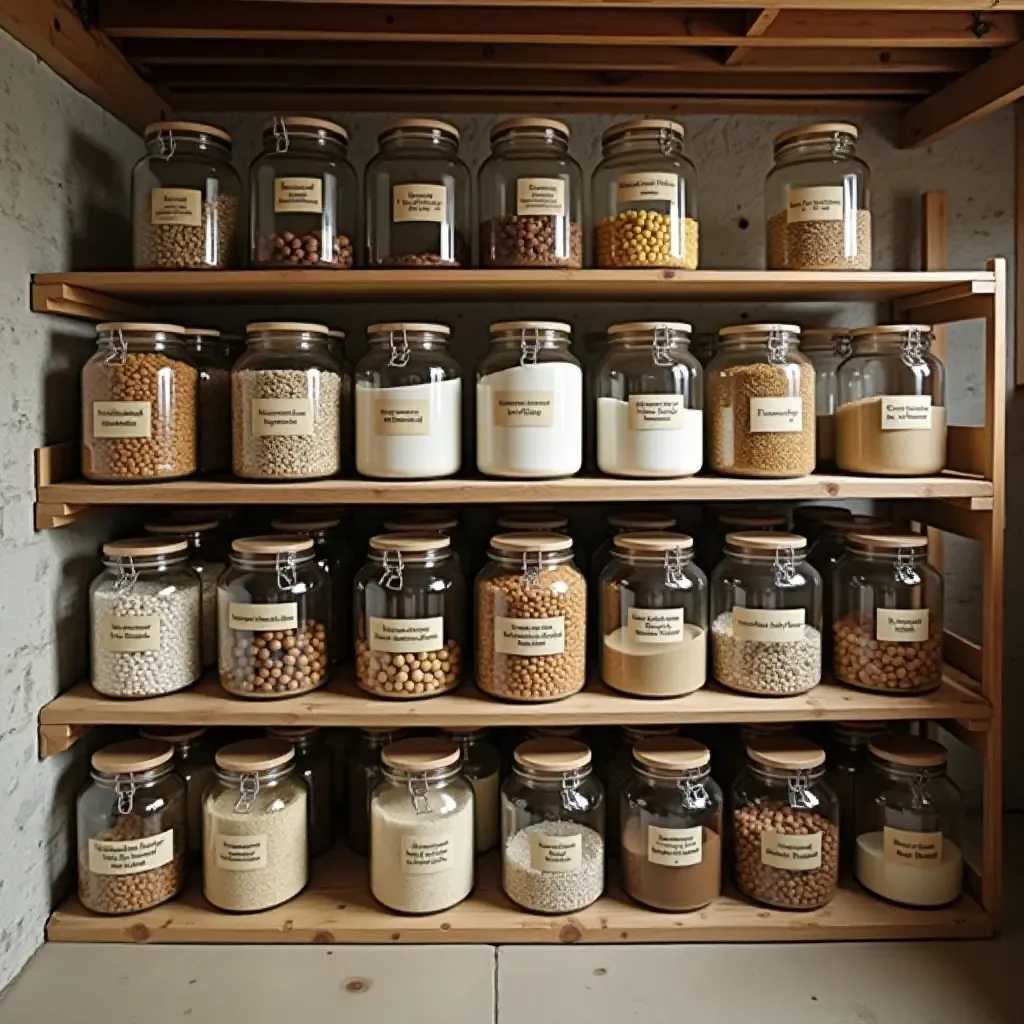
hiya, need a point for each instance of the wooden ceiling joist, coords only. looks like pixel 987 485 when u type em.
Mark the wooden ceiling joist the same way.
pixel 759 25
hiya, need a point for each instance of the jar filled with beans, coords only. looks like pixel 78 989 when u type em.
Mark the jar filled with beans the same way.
pixel 212 353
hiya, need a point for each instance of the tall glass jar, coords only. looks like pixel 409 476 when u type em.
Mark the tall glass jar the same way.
pixel 645 197
pixel 286 404
pixel 531 197
pixel 826 347
pixel 481 768
pixel 362 772
pixel 418 197
pixel 132 829
pixel 213 354
pixel 185 199
pixel 817 200
pixel 650 391
pixel 408 403
pixel 766 616
pixel 891 419
pixel 313 766
pixel 552 828
pixel 847 746
pixel 303 194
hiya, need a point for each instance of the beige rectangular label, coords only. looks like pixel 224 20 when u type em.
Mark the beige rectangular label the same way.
pixel 556 854
pixel 768 625
pixel 122 419
pixel 541 197
pixel 776 415
pixel 655 625
pixel 906 412
pixel 405 636
pixel 132 856
pixel 675 847
pixel 240 853
pixel 261 618
pixel 524 409
pixel 657 412
pixel 298 195
pixel 921 849
pixel 419 203
pixel 529 637
pixel 909 626
pixel 130 633
pixel 282 417
pixel 401 417
pixel 822 202
pixel 660 186
pixel 791 853
pixel 425 858
pixel 182 207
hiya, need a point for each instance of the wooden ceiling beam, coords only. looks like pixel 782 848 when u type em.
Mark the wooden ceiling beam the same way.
pixel 759 25
pixel 795 5
pixel 902 60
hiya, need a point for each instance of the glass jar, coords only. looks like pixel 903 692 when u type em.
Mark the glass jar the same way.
pixel 552 828
pixel 213 355
pixel 766 616
pixel 145 618
pixel 481 768
pixel 286 404
pixel 421 828
pixel 408 403
pixel 410 607
pixel 760 397
pixel 132 830
pixel 529 402
pixel 826 347
pixel 617 764
pixel 624 522
pixel 645 197
pixel 712 550
pixel 417 197
pixel 531 197
pixel 273 611
pixel 847 747
pixel 312 765
pixel 336 346
pixel 891 419
pixel 185 199
pixel 255 827
pixel 785 825
pixel 650 391
pixel 138 404
pixel 362 772
pixel 887 614
pixel 304 197
pixel 531 619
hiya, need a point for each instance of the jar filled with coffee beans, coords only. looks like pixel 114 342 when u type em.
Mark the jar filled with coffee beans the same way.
pixel 212 353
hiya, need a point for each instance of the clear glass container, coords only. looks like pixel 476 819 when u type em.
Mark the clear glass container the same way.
pixel 186 199
pixel 766 616
pixel 139 393
pixel 408 403
pixel 362 772
pixel 760 392
pixel 132 829
pixel 531 197
pixel 785 825
pixel 847 748
pixel 313 765
pixel 711 547
pixel 615 766
pixel 145 619
pixel 552 828
pixel 213 354
pixel 645 198
pixel 418 196
pixel 892 419
pixel 817 200
pixel 650 393
pixel 286 393
pixel 304 196
pixel 826 347
pixel 481 768
pixel 273 614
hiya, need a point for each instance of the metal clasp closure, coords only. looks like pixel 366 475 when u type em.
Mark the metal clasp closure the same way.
pixel 913 348
pixel 778 345
pixel 918 796
pixel 394 566
pixel 287 570
pixel 843 345
pixel 572 799
pixel 118 354
pixel 674 563
pixel 248 790
pixel 660 344
pixel 784 569
pixel 694 793
pixel 281 139
pixel 125 790
pixel 532 570
pixel 127 576
pixel 904 570
pixel 665 141
pixel 167 143
pixel 799 795
pixel 399 341
pixel 529 346
pixel 418 790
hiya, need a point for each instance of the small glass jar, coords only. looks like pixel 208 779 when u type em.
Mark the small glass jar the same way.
pixel 139 393
pixel 132 829
pixel 645 198
pixel 273 612
pixel 255 827
pixel 711 549
pixel 826 347
pixel 313 766
pixel 531 619
pixel 286 404
pixel 408 403
pixel 418 197
pixel 213 355
pixel 362 772
pixel 817 200
pixel 891 419
pixel 552 828
pixel 481 768
pixel 529 402
pixel 650 391
pixel 887 614
pixel 145 617
pixel 847 748
pixel 766 616
pixel 531 197
pixel 304 197
pixel 760 400
pixel 785 825
pixel 410 607
pixel 616 768
pixel 185 199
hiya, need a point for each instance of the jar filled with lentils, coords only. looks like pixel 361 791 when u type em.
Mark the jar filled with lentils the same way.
pixel 826 347
pixel 212 354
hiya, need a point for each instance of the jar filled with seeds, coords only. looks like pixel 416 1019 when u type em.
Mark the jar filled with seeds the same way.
pixel 645 197
pixel 139 394
pixel 362 773
pixel 212 354
pixel 785 825
pixel 304 196
pixel 418 197
pixel 817 200
pixel 313 766
pixel 766 616
pixel 185 199
pixel 145 615
pixel 273 613
pixel 286 404
pixel 711 548
pixel 410 608
pixel 481 768
pixel 132 829
pixel 531 197
pixel 847 748
pixel 826 347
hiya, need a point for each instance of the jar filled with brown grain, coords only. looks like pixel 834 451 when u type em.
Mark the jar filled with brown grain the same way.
pixel 213 354
pixel 826 347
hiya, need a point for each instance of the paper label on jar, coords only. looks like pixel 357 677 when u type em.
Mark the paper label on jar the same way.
pixel 529 637
pixel 401 417
pixel 263 618
pixel 182 207
pixel 556 854
pixel 426 858
pixel 921 849
pixel 768 625
pixel 661 412
pixel 776 415
pixel 541 197
pixel 282 417
pixel 660 186
pixel 524 409
pixel 240 853
pixel 655 625
pixel 405 636
pixel 419 203
pixel 675 847
pixel 130 633
pixel 122 419
pixel 131 856
pixel 820 202
pixel 908 626
pixel 906 412
pixel 298 195
pixel 791 853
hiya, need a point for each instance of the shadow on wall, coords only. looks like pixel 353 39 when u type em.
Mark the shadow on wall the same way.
pixel 62 389
pixel 99 221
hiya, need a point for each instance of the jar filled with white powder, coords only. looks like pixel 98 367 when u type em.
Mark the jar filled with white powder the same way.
pixel 481 767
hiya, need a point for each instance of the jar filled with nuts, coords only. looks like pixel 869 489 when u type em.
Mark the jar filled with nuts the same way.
pixel 185 199
pixel 418 197
pixel 213 354
pixel 132 830
pixel 645 197
pixel 304 196
pixel 273 612
pixel 531 197
pixel 826 347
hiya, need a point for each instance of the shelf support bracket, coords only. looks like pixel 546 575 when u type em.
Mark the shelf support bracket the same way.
pixel 56 739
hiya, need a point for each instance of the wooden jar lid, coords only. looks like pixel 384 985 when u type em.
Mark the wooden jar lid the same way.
pixel 399 326
pixel 909 751
pixel 410 543
pixel 641 521
pixel 653 543
pixel 175 528
pixel 644 326
pixel 420 754
pixel 144 547
pixel 672 753
pixel 887 541
pixel 173 733
pixel 766 540
pixel 553 754
pixel 505 326
pixel 264 326
pixel 280 544
pixel 529 542
pixel 786 752
pixel 132 327
pixel 821 128
pixel 292 523
pixel 141 755
pixel 261 755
